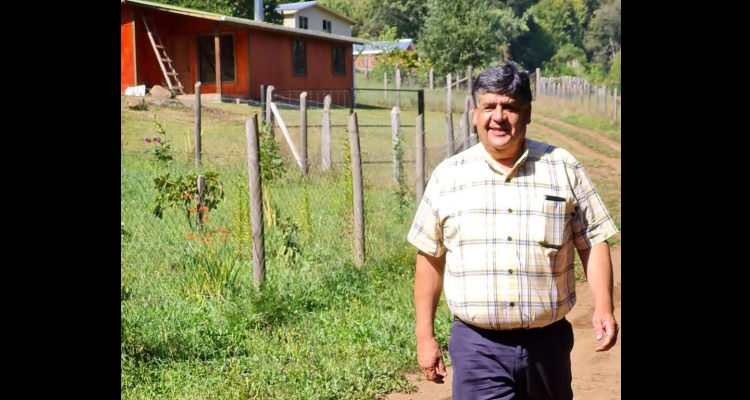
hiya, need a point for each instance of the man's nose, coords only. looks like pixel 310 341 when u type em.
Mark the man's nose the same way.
pixel 498 113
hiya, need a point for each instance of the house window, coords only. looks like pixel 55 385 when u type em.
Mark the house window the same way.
pixel 326 26
pixel 302 24
pixel 299 58
pixel 207 59
pixel 339 65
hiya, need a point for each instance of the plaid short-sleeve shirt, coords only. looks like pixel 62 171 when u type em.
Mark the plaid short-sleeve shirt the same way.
pixel 509 238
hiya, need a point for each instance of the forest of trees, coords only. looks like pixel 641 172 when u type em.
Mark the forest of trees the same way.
pixel 561 37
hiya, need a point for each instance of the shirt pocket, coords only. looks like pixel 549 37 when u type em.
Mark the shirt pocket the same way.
pixel 548 222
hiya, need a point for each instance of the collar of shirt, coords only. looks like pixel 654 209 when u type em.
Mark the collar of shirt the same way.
pixel 495 166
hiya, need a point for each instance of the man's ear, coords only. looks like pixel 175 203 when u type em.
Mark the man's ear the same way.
pixel 474 116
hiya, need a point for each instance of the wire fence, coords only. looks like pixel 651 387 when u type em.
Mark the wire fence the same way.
pixel 316 204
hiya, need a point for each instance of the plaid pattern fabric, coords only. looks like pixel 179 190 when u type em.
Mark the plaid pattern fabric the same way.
pixel 510 238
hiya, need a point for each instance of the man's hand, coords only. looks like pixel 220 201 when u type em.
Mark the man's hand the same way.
pixel 430 360
pixel 597 265
pixel 605 327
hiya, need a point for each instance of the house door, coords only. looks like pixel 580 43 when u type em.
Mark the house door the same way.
pixel 179 53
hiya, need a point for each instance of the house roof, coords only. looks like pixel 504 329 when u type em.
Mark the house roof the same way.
pixel 294 7
pixel 383 46
pixel 243 22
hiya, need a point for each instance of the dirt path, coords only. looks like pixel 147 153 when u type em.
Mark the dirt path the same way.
pixel 576 147
pixel 585 131
pixel 596 376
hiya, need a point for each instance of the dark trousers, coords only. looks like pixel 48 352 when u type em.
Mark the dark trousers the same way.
pixel 523 364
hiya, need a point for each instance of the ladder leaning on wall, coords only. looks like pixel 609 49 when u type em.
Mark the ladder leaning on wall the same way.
pixel 170 75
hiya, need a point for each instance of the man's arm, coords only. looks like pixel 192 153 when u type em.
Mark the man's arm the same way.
pixel 597 266
pixel 428 285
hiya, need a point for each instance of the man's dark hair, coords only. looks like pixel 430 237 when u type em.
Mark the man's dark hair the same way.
pixel 508 79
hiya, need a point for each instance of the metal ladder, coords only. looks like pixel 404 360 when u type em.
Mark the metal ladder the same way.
pixel 170 75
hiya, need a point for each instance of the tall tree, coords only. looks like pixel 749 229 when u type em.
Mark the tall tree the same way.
pixel 460 33
pixel 405 15
pixel 519 6
pixel 533 47
pixel 235 8
pixel 564 20
pixel 604 33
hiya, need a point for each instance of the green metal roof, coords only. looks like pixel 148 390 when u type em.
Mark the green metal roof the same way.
pixel 244 22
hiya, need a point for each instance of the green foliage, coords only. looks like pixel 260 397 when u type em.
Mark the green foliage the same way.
pixel 181 191
pixel 614 78
pixel 242 229
pixel 405 17
pixel 564 20
pixel 457 34
pixel 281 236
pixel 234 8
pixel 533 47
pixel 408 63
pixel 272 165
pixel 403 194
pixel 213 268
pixel 568 61
pixel 603 38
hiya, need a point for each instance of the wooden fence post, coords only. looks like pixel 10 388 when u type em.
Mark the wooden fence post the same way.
pixel 470 82
pixel 197 124
pixel 303 131
pixel 580 89
pixel 396 147
pixel 449 135
pixel 270 90
pixel 263 105
pixel 449 108
pixel 432 86
pixel 420 157
pixel 325 142
pixel 467 122
pixel 614 104
pixel 357 189
pixel 537 78
pixel 256 203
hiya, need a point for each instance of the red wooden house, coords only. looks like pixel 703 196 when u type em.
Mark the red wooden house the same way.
pixel 249 53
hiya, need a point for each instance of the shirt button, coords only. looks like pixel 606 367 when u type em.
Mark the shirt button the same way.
pixel 510 271
pixel 510 238
pixel 512 304
pixel 510 210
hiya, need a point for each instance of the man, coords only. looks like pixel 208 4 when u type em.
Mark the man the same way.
pixel 496 229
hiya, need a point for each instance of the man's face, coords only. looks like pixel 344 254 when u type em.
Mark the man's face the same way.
pixel 501 124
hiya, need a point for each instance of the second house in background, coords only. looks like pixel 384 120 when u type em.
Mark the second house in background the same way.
pixel 315 16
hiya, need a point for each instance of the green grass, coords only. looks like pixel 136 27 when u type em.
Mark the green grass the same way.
pixel 193 327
